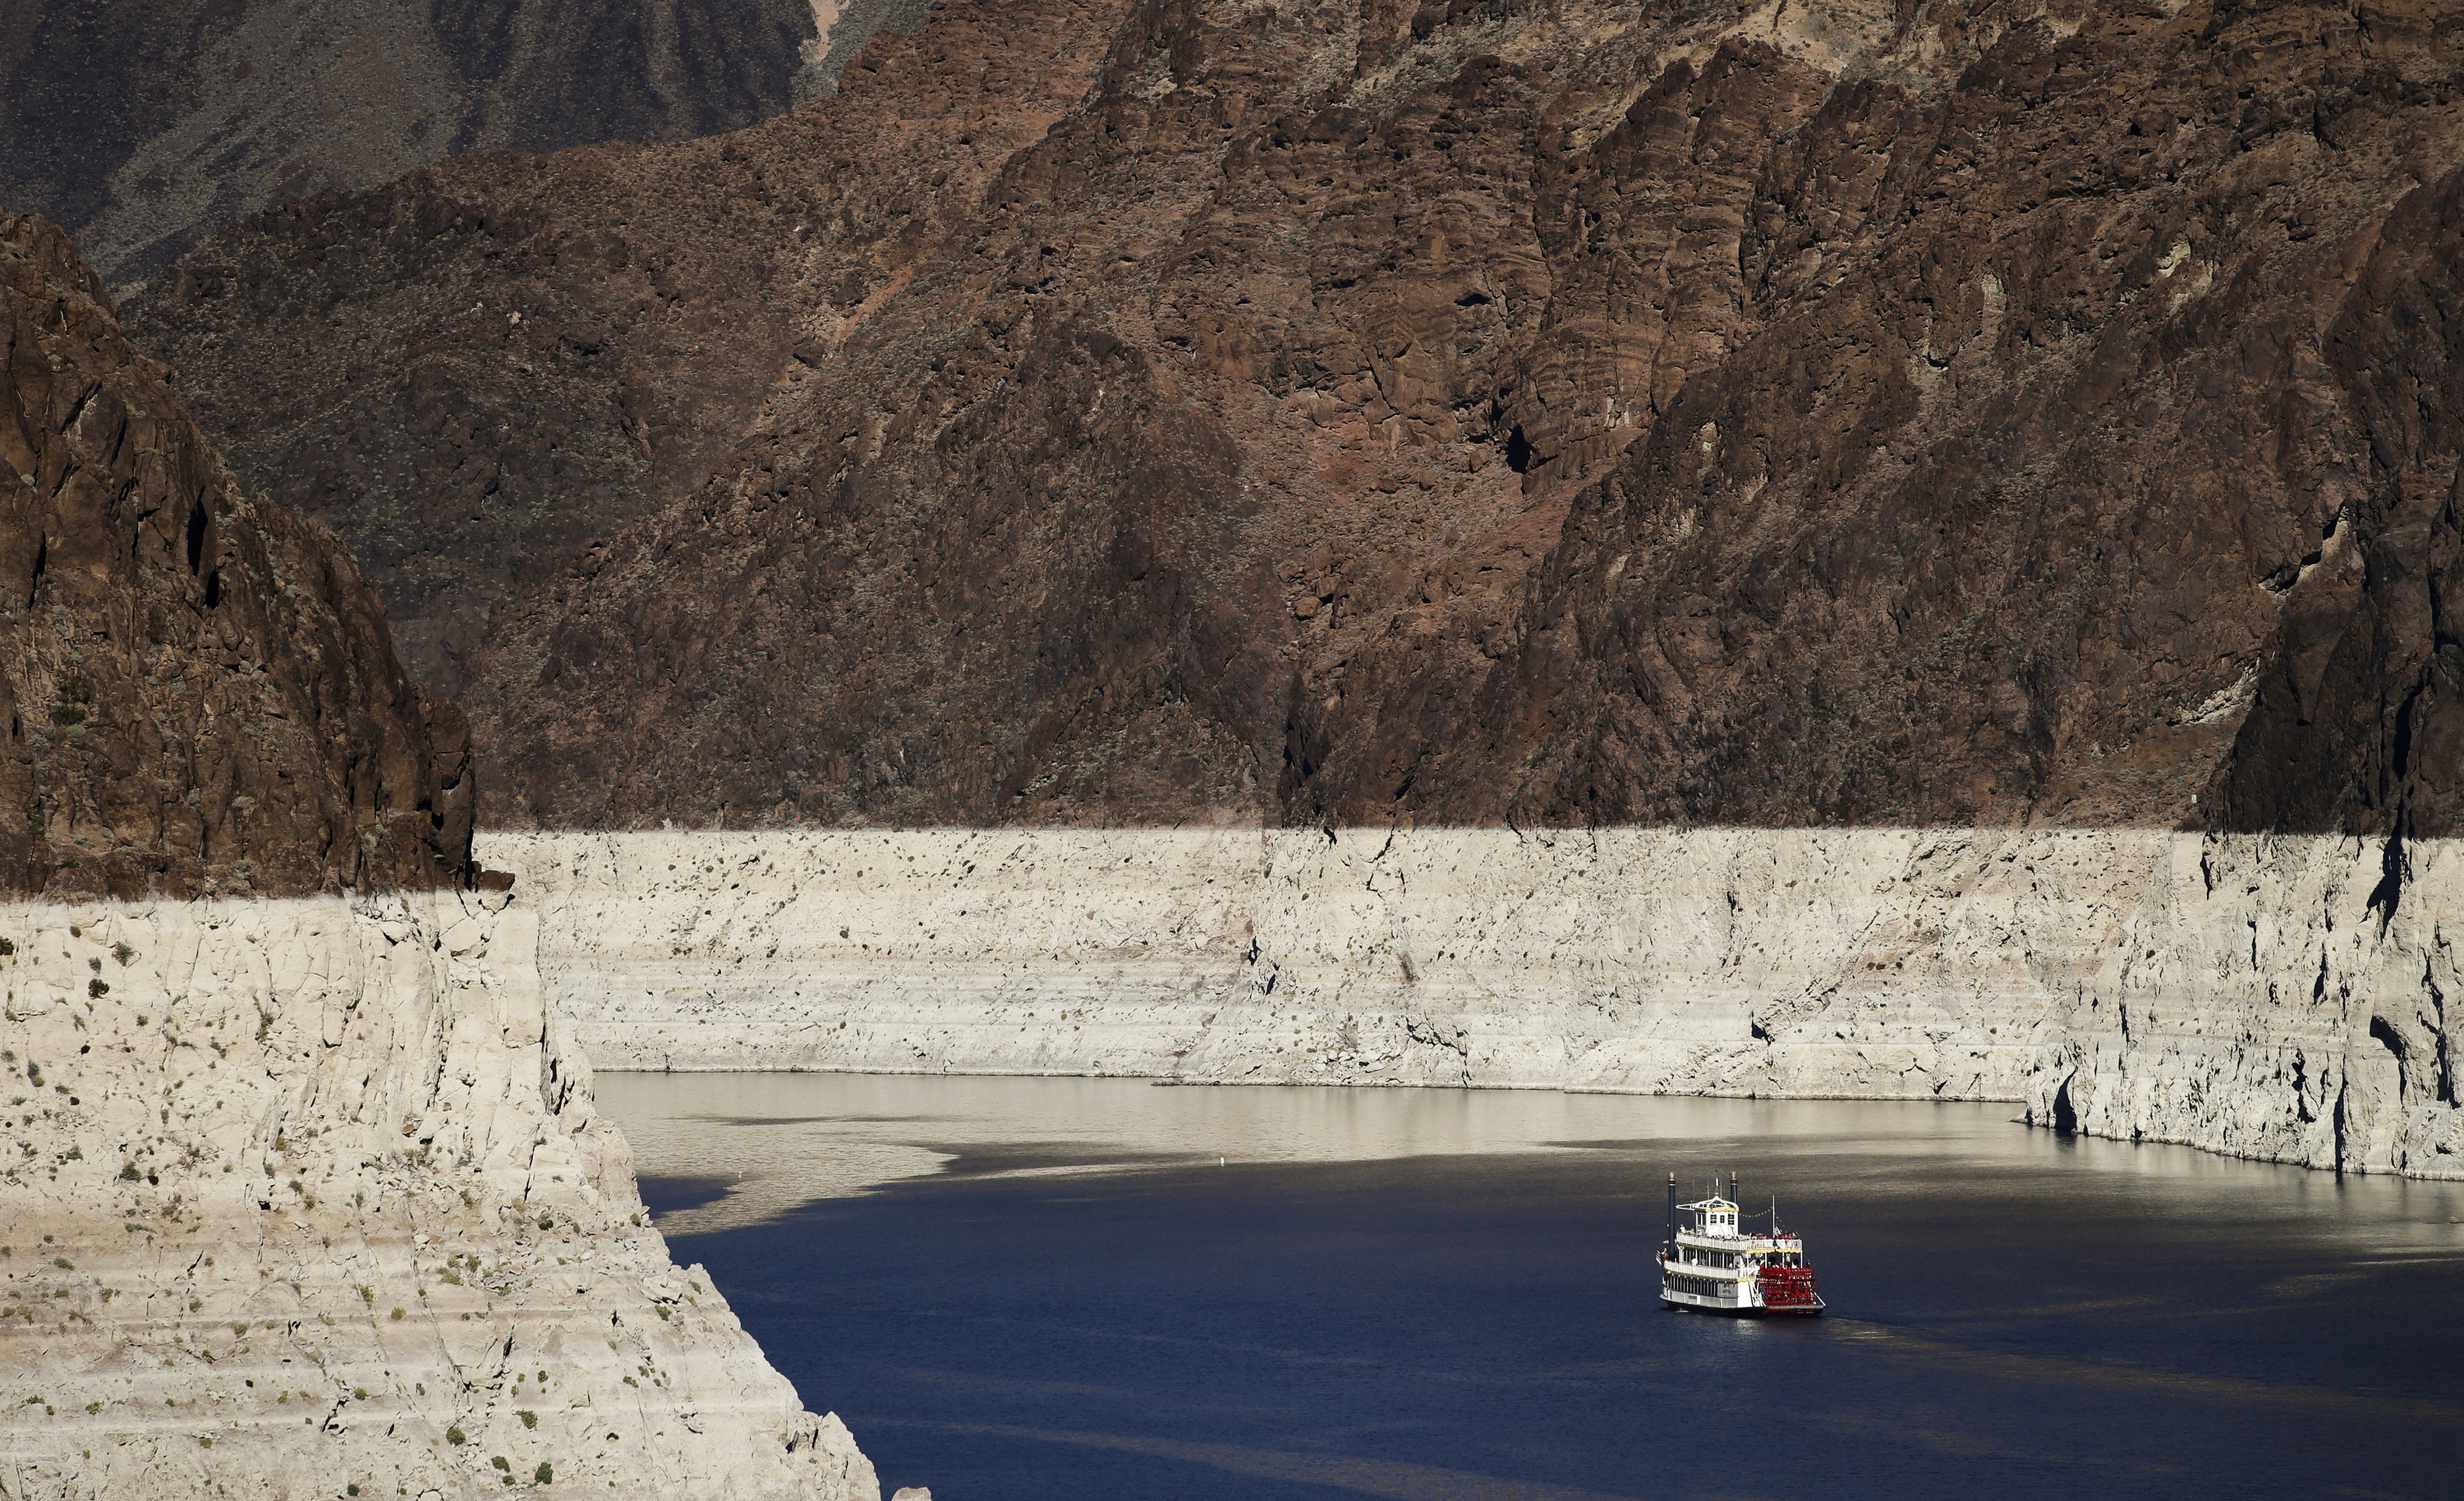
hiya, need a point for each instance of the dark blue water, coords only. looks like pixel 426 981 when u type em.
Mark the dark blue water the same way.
pixel 2013 1314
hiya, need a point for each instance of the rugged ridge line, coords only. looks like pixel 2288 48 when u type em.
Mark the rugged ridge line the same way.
pixel 2029 412
pixel 2263 996
pixel 148 125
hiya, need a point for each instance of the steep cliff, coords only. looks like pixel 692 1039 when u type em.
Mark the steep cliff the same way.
pixel 2010 413
pixel 199 691
pixel 2251 995
pixel 1974 484
pixel 145 125
pixel 306 1194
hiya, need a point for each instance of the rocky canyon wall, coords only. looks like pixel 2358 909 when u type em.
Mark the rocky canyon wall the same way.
pixel 310 1193
pixel 304 1193
pixel 1099 413
pixel 2272 997
pixel 197 690
pixel 147 126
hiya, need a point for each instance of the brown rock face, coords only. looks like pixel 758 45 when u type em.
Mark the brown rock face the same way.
pixel 1097 412
pixel 145 125
pixel 199 692
pixel 2127 406
pixel 2360 714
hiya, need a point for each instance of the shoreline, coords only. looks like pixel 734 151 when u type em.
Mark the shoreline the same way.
pixel 2259 996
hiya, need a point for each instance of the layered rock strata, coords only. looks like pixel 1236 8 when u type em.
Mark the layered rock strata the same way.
pixel 307 1197
pixel 2024 412
pixel 2270 997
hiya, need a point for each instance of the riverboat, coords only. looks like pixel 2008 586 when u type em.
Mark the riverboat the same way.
pixel 1711 1263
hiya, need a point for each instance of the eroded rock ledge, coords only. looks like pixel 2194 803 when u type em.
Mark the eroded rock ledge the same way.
pixel 306 1195
pixel 2265 996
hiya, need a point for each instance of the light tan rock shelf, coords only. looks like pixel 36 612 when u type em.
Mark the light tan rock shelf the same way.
pixel 2269 997
pixel 307 1197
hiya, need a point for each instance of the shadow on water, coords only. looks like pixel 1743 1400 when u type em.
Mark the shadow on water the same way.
pixel 987 1159
pixel 664 1196
pixel 2015 1315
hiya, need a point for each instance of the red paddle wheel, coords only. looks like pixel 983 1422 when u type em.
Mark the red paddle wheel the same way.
pixel 1789 1289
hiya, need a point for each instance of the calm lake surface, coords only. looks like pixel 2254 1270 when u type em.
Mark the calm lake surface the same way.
pixel 1016 1289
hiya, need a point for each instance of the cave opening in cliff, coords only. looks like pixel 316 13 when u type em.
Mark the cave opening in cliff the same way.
pixel 2389 1038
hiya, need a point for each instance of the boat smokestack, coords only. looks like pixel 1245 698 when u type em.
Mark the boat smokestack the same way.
pixel 1672 1208
pixel 1733 1191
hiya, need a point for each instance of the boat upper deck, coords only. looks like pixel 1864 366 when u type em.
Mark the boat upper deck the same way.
pixel 1719 1242
pixel 1714 1227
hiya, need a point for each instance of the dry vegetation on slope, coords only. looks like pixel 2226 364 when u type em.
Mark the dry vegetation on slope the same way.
pixel 1296 412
